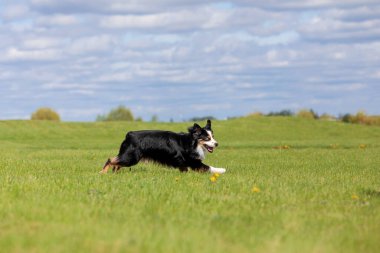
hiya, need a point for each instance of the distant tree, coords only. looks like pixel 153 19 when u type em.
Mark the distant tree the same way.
pixel 204 118
pixel 307 114
pixel 373 120
pixel 120 113
pixel 281 113
pixel 45 113
pixel 254 115
pixel 154 118
pixel 347 118
pixel 360 118
pixel 315 115
pixel 327 117
pixel 101 117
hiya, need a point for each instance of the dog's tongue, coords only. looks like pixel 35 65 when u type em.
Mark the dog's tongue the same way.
pixel 210 149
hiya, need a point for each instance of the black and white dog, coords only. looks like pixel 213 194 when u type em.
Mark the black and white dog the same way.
pixel 179 150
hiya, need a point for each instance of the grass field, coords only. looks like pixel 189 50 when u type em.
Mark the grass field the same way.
pixel 317 191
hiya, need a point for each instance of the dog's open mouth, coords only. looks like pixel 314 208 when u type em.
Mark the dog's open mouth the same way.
pixel 209 149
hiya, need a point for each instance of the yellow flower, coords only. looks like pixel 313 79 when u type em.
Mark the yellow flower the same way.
pixel 213 179
pixel 216 175
pixel 255 189
pixel 177 179
pixel 362 146
pixel 355 197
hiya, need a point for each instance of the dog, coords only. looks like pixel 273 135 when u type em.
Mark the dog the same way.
pixel 178 150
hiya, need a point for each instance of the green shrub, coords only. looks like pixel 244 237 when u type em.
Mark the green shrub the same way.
pixel 361 118
pixel 45 113
pixel 120 113
pixel 327 117
pixel 373 120
pixel 307 114
pixel 254 115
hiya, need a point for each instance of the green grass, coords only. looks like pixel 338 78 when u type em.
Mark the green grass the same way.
pixel 313 197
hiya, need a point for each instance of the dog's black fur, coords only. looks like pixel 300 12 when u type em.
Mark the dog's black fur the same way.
pixel 178 150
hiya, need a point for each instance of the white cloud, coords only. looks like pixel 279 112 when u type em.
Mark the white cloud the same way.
pixel 15 54
pixel 14 11
pixel 346 87
pixel 376 74
pixel 114 77
pixel 112 6
pixel 308 4
pixel 68 86
pixel 268 55
pixel 41 43
pixel 171 21
pixel 57 20
pixel 99 43
pixel 341 31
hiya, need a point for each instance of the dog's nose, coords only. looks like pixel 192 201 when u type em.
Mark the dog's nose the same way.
pixel 216 144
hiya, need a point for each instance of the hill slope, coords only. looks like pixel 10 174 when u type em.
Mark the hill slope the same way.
pixel 260 130
pixel 291 185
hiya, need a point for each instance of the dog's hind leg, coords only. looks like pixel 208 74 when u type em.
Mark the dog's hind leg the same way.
pixel 198 166
pixel 116 168
pixel 125 158
pixel 110 162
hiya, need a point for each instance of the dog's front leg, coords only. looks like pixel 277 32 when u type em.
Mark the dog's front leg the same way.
pixel 183 169
pixel 217 170
pixel 199 166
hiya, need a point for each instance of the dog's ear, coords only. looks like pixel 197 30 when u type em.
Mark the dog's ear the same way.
pixel 208 125
pixel 196 129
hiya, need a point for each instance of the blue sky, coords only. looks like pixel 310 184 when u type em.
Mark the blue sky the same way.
pixel 180 59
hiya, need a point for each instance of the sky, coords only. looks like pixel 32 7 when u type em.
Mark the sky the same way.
pixel 180 59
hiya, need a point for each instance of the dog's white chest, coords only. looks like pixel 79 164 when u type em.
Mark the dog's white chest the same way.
pixel 201 152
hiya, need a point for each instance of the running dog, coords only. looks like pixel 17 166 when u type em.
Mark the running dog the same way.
pixel 178 150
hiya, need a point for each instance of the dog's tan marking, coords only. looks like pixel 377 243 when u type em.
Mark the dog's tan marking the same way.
pixel 110 162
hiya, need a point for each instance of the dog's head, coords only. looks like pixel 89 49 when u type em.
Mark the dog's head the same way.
pixel 204 136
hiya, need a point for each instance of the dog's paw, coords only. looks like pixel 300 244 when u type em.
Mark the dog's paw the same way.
pixel 217 170
pixel 102 172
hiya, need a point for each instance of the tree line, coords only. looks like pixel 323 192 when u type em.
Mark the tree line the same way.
pixel 359 118
pixel 122 113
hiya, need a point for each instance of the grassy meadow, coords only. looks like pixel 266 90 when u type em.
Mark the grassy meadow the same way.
pixel 292 185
